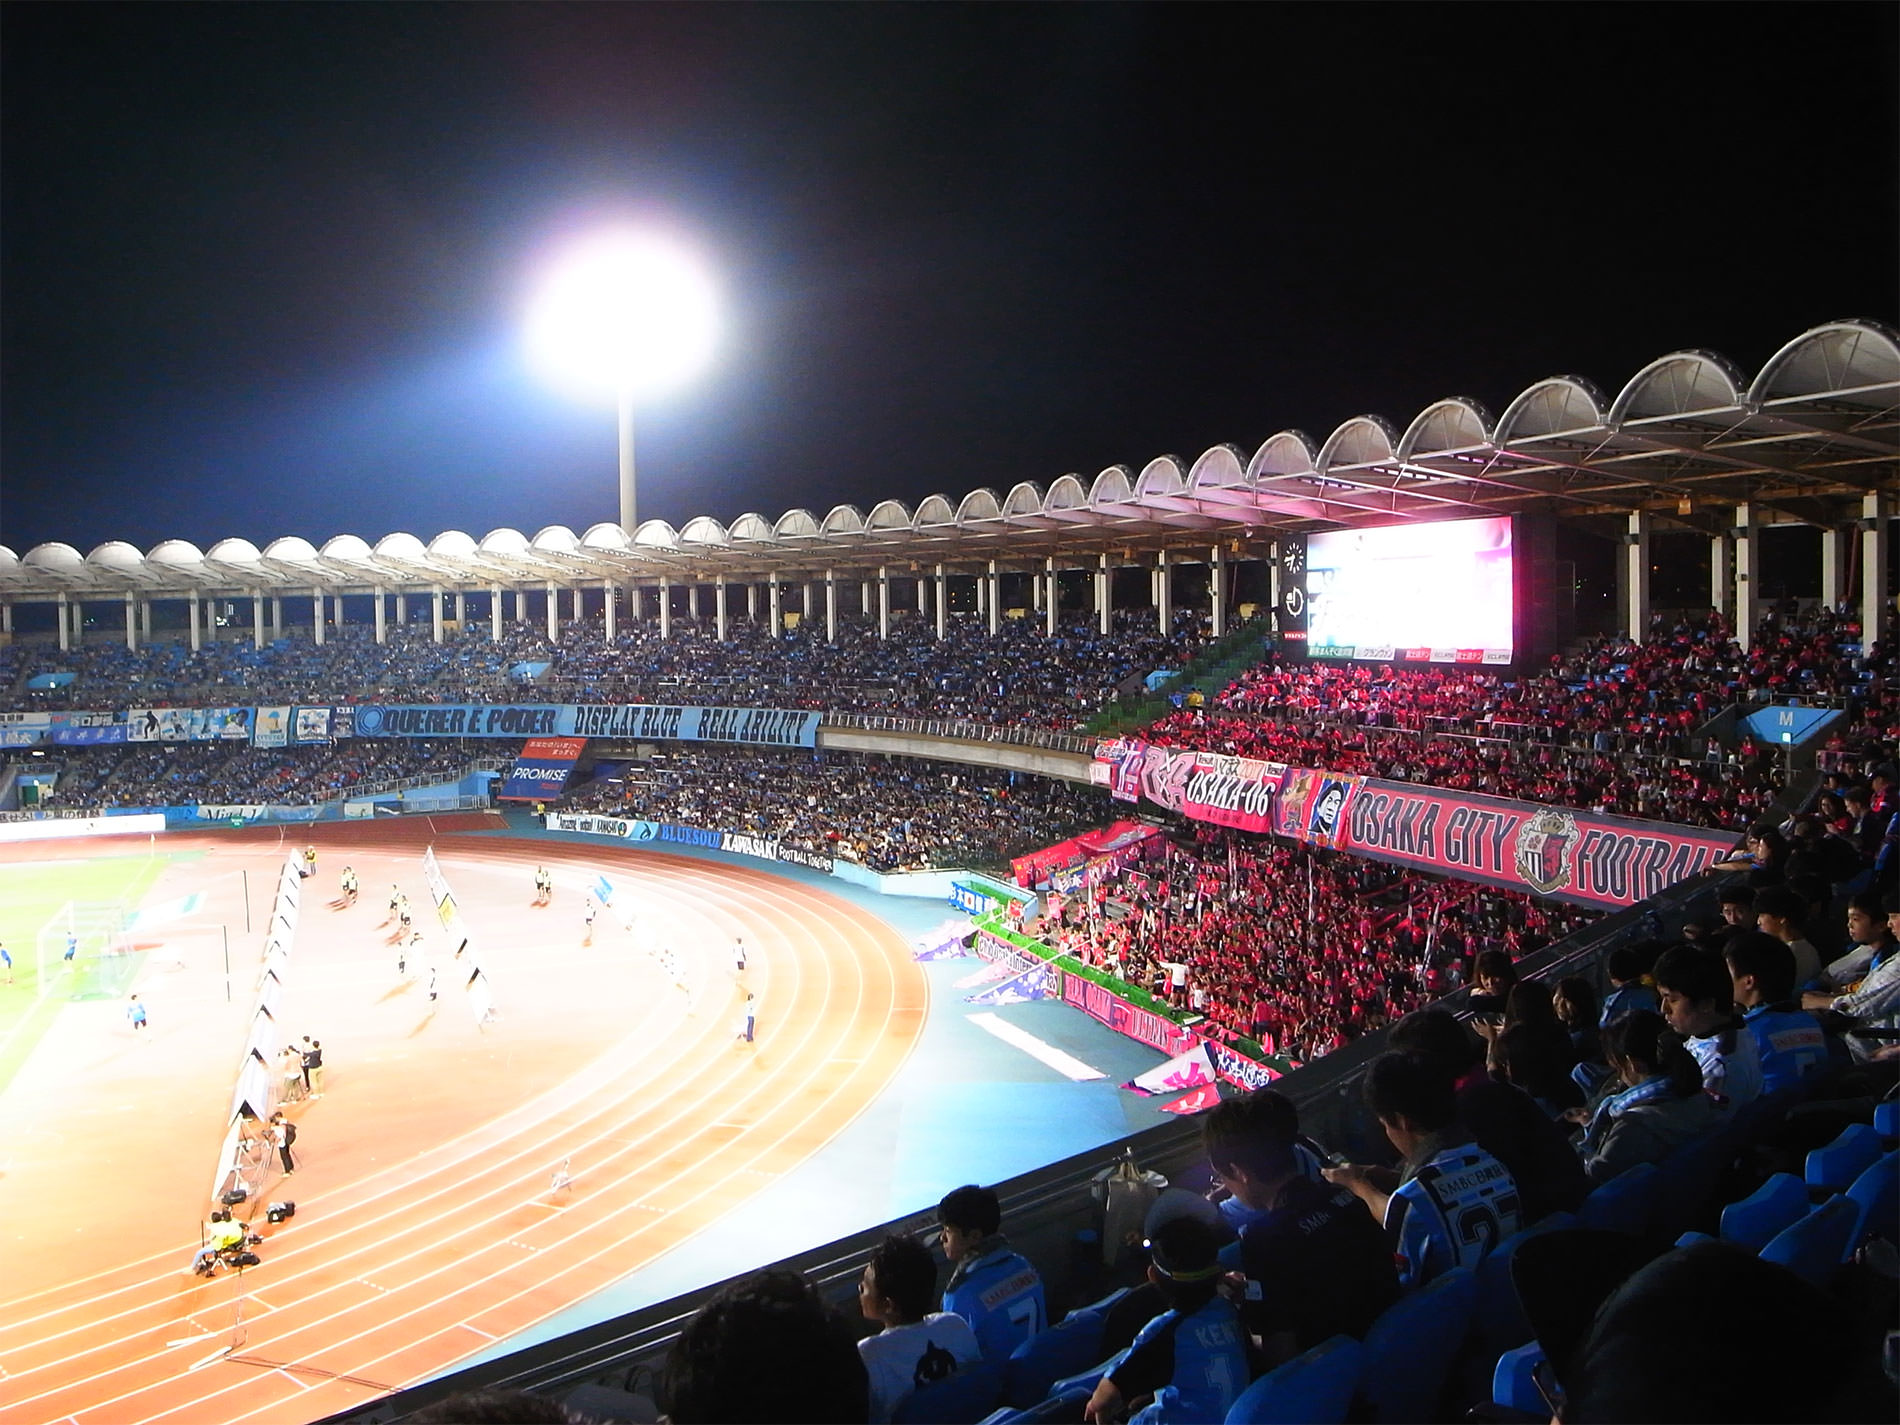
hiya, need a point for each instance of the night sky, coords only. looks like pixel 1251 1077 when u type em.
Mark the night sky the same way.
pixel 263 265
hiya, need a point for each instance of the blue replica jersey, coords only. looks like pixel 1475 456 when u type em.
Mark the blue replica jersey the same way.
pixel 1210 1365
pixel 1789 1042
pixel 1000 1295
pixel 1459 1206
pixel 1625 998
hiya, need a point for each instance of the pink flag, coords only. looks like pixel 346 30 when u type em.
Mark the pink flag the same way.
pixel 1195 1100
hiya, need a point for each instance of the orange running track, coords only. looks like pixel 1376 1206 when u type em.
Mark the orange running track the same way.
pixel 426 1227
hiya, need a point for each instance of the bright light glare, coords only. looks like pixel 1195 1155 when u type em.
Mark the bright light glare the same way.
pixel 623 311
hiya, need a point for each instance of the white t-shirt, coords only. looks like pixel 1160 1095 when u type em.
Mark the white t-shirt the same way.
pixel 900 1359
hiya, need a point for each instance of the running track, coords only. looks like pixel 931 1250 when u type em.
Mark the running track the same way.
pixel 402 1270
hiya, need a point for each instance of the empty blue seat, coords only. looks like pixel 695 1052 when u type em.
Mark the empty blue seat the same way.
pixel 1623 1204
pixel 1409 1351
pixel 1686 1184
pixel 962 1399
pixel 1065 1406
pixel 1846 1158
pixel 1773 1207
pixel 1500 1319
pixel 1876 1193
pixel 1812 1247
pixel 1315 1388
pixel 1073 1344
pixel 1887 1119
pixel 1514 1382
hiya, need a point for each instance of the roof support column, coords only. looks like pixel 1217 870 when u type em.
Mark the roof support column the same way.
pixel 1747 574
pixel 131 621
pixel 461 609
pixel 808 598
pixel 923 598
pixel 435 613
pixel 1052 600
pixel 336 606
pixel 79 623
pixel 276 617
pixel 257 618
pixel 554 613
pixel 1104 594
pixel 578 601
pixel 610 597
pixel 831 606
pixel 6 618
pixel 943 604
pixel 1833 568
pixel 1722 576
pixel 494 613
pixel 666 606
pixel 402 609
pixel 719 608
pixel 521 604
pixel 1217 592
pixel 316 619
pixel 692 601
pixel 1876 609
pixel 145 621
pixel 751 602
pixel 883 602
pixel 775 604
pixel 1636 577
pixel 996 600
pixel 66 624
pixel 1164 593
pixel 379 599
pixel 982 595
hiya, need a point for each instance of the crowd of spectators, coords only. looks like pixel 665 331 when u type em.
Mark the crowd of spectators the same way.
pixel 1017 676
pixel 1302 950
pixel 885 813
pixel 152 774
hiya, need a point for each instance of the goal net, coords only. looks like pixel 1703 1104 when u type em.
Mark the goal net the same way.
pixel 83 951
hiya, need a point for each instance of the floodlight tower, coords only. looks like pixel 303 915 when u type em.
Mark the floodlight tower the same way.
pixel 627 314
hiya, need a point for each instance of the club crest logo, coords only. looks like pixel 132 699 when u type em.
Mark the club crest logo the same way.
pixel 1543 847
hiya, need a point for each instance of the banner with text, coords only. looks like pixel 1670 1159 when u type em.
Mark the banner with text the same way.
pixel 651 722
pixel 1152 1029
pixel 542 768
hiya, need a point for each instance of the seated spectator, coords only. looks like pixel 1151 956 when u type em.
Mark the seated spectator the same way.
pixel 1659 1106
pixel 1625 969
pixel 1781 913
pixel 1737 901
pixel 494 1407
pixel 1492 977
pixel 1698 1000
pixel 764 1349
pixel 917 1346
pixel 992 1287
pixel 1192 1358
pixel 1788 1039
pixel 1523 1057
pixel 1575 1000
pixel 1870 942
pixel 1873 1001
pixel 1454 1202
pixel 1316 1264
pixel 1504 1120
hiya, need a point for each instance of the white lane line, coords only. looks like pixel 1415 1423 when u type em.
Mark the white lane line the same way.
pixel 1065 1064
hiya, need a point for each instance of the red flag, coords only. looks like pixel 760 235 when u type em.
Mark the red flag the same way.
pixel 1195 1100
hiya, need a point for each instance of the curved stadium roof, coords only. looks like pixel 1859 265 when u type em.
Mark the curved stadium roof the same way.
pixel 1816 428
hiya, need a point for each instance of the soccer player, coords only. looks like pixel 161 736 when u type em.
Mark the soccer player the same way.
pixel 992 1287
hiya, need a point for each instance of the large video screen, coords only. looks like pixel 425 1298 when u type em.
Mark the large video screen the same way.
pixel 1439 593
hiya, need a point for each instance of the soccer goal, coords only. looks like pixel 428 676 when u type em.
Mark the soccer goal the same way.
pixel 84 952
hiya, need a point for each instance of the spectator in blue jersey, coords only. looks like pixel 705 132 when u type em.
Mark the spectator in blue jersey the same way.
pixel 992 1287
pixel 917 1346
pixel 1870 943
pixel 1192 1358
pixel 1872 1000
pixel 1315 1263
pixel 1698 1000
pixel 1658 1104
pixel 1625 968
pixel 1454 1201
pixel 1788 1040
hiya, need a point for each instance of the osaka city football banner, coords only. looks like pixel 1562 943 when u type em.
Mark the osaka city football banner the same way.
pixel 1590 858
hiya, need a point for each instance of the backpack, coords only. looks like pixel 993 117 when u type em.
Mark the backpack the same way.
pixel 290 1134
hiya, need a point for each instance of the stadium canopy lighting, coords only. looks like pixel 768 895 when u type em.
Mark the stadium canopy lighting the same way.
pixel 627 314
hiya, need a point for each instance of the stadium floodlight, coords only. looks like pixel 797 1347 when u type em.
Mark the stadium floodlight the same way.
pixel 626 314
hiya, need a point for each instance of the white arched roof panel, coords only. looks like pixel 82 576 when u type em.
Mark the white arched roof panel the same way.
pixel 888 514
pixel 450 544
pixel 1363 440
pixel 934 510
pixel 1114 486
pixel 652 534
pixel 558 538
pixel 703 529
pixel 605 536
pixel 8 559
pixel 1163 475
pixel 401 545
pixel 504 541
pixel 116 555
pixel 342 546
pixel 843 519
pixel 796 524
pixel 752 526
pixel 1067 492
pixel 1221 467
pixel 234 551
pixel 1683 383
pixel 1024 499
pixel 1287 452
pixel 1840 356
pixel 979 505
pixel 170 552
pixel 1557 405
pixel 1455 423
pixel 289 550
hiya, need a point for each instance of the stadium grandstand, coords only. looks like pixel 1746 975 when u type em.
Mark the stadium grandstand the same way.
pixel 1557 947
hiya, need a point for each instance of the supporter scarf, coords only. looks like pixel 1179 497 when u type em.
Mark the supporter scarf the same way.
pixel 1650 1090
